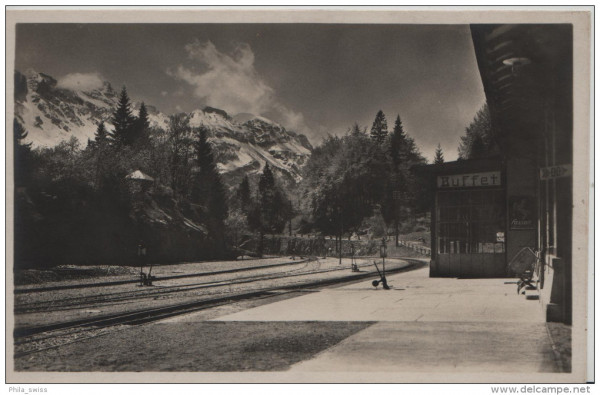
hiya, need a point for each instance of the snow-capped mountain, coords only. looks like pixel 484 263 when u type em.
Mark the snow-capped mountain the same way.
pixel 51 114
pixel 242 143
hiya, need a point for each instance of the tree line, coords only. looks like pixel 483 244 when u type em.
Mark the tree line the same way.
pixel 349 178
pixel 264 208
pixel 346 181
pixel 480 139
pixel 76 190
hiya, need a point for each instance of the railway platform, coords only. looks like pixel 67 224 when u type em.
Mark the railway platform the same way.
pixel 420 330
pixel 422 324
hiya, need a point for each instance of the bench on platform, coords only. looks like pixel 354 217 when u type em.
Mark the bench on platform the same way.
pixel 526 264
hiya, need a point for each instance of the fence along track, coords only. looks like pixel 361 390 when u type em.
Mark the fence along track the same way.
pixel 415 246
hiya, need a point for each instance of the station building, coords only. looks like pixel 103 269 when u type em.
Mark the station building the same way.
pixel 487 210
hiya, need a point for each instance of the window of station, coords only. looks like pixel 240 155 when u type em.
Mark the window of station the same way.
pixel 471 222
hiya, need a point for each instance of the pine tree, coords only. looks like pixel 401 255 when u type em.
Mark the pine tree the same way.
pixel 22 153
pixel 267 181
pixel 243 194
pixel 379 130
pixel 439 155
pixel 99 147
pixel 478 148
pixel 479 139
pixel 180 147
pixel 355 130
pixel 101 135
pixel 204 156
pixel 398 143
pixel 397 187
pixel 401 187
pixel 208 189
pixel 141 125
pixel 268 200
pixel 123 121
pixel 20 134
pixel 272 210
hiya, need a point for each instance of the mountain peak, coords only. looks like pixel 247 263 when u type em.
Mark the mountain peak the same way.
pixel 107 87
pixel 30 73
pixel 218 111
pixel 262 123
pixel 35 78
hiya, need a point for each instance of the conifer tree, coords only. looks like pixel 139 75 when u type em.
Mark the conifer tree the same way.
pixel 101 135
pixel 398 143
pixel 123 121
pixel 22 153
pixel 273 209
pixel 180 146
pixel 479 139
pixel 379 130
pixel 20 134
pixel 478 148
pixel 98 146
pixel 243 194
pixel 141 124
pixel 355 130
pixel 208 189
pixel 439 155
pixel 271 203
pixel 266 182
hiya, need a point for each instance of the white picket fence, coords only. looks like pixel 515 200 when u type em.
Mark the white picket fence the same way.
pixel 418 247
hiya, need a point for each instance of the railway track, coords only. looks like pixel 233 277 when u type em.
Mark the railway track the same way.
pixel 34 339
pixel 124 296
pixel 66 303
pixel 26 290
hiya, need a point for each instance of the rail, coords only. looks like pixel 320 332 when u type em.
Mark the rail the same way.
pixel 26 336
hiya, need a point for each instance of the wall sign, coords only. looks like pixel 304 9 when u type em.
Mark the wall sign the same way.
pixel 549 173
pixel 487 179
pixel 521 212
pixel 500 237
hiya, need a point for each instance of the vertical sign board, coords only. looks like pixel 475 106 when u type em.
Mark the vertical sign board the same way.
pixel 521 212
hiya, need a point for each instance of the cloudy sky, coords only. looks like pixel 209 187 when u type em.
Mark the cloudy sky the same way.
pixel 315 79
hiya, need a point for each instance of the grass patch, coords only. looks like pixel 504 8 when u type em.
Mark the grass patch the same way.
pixel 196 347
pixel 561 337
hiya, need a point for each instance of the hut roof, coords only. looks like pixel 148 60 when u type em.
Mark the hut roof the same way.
pixel 139 175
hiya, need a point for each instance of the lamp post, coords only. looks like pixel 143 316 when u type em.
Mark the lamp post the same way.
pixel 352 253
pixel 341 216
pixel 398 196
pixel 141 256
pixel 383 253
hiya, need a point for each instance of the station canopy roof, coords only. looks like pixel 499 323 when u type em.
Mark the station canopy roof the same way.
pixel 461 165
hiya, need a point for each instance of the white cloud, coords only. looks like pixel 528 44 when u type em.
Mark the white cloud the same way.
pixel 231 82
pixel 80 81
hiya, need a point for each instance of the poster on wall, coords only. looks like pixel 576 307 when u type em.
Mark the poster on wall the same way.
pixel 521 211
